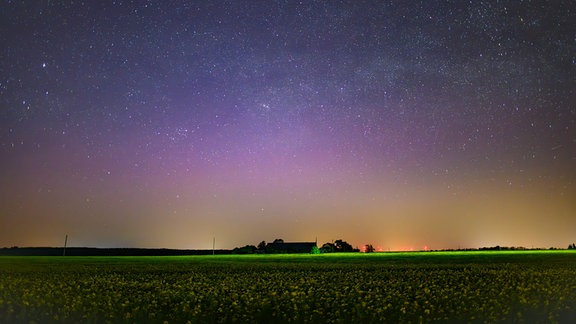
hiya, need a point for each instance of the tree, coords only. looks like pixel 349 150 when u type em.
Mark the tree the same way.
pixel 368 248
pixel 337 246
pixel 247 249
pixel 327 248
pixel 315 250
pixel 572 246
pixel 262 246
pixel 343 246
pixel 278 241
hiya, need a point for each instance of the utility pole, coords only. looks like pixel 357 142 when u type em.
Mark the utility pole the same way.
pixel 65 243
pixel 213 244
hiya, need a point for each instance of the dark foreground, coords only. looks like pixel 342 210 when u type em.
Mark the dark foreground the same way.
pixel 532 286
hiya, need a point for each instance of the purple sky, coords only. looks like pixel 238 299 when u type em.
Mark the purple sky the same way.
pixel 402 124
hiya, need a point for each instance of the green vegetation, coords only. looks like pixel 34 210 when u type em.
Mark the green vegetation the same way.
pixel 535 286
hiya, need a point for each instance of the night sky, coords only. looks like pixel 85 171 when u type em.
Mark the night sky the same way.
pixel 403 124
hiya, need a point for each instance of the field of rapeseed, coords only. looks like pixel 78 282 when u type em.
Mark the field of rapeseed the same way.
pixel 379 287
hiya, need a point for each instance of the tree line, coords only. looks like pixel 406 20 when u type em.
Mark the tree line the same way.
pixel 279 246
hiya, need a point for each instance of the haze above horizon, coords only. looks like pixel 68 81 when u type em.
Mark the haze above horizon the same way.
pixel 401 124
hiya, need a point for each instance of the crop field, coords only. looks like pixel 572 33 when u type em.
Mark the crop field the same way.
pixel 514 286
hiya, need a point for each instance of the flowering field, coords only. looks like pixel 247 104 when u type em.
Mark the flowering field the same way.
pixel 534 286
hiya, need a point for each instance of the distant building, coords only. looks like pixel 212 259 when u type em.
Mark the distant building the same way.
pixel 290 247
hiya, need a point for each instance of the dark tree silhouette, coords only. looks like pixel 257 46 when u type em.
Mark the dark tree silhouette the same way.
pixel 327 248
pixel 343 246
pixel 368 248
pixel 337 246
pixel 247 249
pixel 262 246
pixel 278 241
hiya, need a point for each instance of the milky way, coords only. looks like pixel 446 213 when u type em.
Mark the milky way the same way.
pixel 402 124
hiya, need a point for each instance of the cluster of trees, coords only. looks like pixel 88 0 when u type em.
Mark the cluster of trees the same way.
pixel 337 246
pixel 260 248
pixel 279 246
pixel 368 248
pixel 572 246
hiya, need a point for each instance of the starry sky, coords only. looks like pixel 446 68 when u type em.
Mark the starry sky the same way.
pixel 403 124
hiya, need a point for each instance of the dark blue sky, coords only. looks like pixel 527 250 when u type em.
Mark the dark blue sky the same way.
pixel 396 123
